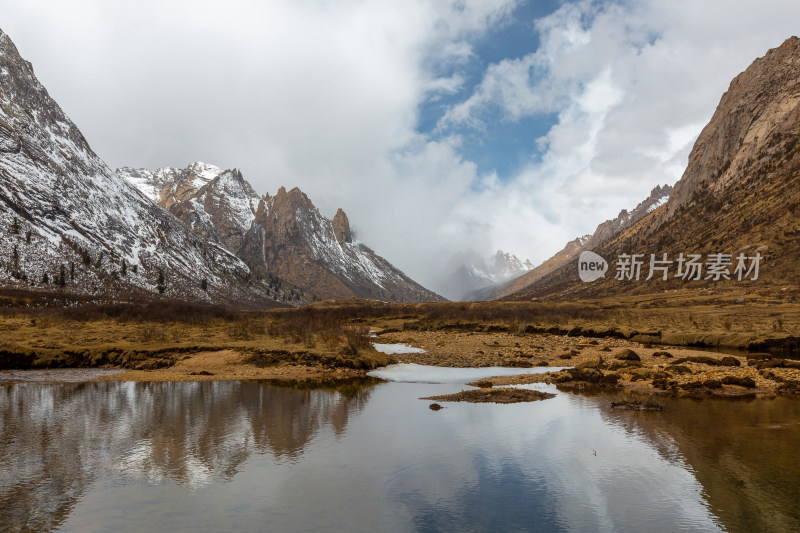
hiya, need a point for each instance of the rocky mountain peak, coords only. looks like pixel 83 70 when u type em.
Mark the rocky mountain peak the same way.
pixel 341 227
pixel 760 102
pixel 291 238
pixel 294 213
pixel 219 204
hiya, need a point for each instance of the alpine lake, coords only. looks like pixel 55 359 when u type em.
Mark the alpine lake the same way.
pixel 368 454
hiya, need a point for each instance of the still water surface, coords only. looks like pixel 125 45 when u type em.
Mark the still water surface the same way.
pixel 368 455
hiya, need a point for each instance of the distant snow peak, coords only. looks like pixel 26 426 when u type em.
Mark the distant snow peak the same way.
pixel 204 172
pixel 468 272
pixel 505 265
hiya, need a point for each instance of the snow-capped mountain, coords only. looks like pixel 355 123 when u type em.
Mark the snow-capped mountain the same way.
pixel 283 235
pixel 219 204
pixel 469 272
pixel 504 266
pixel 71 223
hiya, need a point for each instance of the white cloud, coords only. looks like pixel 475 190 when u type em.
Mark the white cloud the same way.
pixel 632 83
pixel 449 85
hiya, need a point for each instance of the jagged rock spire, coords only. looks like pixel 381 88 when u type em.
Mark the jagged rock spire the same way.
pixel 341 227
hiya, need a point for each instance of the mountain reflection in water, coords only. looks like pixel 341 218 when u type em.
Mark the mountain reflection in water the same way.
pixel 56 439
pixel 368 455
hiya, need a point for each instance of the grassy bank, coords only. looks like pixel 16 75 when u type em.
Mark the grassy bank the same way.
pixel 151 336
pixel 681 318
pixel 335 334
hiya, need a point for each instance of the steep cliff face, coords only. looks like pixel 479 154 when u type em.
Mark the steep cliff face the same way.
pixel 70 223
pixel 757 119
pixel 740 194
pixel 291 239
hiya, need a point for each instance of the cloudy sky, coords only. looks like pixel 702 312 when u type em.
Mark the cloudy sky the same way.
pixel 438 125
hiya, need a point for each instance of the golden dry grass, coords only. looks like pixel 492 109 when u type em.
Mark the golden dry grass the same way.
pixel 334 335
pixel 36 339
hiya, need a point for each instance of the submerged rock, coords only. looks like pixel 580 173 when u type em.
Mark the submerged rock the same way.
pixel 637 406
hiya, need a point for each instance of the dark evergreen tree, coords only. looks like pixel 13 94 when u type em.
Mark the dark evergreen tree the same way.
pixel 161 282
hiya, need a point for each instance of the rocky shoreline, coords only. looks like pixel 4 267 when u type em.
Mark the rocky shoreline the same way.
pixel 610 363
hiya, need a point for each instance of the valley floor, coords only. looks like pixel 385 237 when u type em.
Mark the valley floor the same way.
pixel 625 344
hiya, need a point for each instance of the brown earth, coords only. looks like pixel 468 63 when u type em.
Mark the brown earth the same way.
pixel 659 370
pixel 504 395
pixel 227 365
